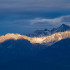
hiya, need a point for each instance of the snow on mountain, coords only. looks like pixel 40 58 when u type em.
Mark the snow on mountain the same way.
pixel 45 39
pixel 62 28
pixel 46 32
pixel 40 33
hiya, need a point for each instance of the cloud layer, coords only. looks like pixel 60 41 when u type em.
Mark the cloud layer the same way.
pixel 27 5
pixel 21 25
pixel 51 22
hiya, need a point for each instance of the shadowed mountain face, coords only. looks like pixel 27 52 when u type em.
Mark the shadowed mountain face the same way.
pixel 39 33
pixel 12 49
pixel 19 52
pixel 55 57
pixel 46 32
pixel 62 28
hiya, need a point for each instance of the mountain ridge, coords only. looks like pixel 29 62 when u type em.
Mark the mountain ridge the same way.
pixel 62 28
pixel 45 39
pixel 46 32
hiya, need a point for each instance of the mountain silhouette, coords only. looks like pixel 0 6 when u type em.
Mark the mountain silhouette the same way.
pixel 55 57
pixel 62 28
pixel 39 33
pixel 12 49
pixel 46 32
pixel 20 54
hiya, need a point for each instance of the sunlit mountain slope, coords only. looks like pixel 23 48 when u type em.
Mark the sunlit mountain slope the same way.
pixel 45 39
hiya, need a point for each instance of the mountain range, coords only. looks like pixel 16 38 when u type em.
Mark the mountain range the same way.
pixel 48 40
pixel 46 32
pixel 25 56
pixel 41 52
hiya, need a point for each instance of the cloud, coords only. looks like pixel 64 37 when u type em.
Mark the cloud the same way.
pixel 51 22
pixel 21 25
pixel 38 20
pixel 35 4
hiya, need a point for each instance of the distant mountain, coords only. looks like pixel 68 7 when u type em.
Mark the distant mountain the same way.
pixel 40 33
pixel 45 32
pixel 47 40
pixel 16 44
pixel 19 52
pixel 62 28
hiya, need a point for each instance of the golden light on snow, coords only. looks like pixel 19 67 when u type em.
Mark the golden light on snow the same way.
pixel 46 39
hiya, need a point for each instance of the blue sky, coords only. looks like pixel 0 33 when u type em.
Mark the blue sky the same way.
pixel 26 16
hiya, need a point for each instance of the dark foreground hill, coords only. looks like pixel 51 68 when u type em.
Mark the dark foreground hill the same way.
pixel 55 57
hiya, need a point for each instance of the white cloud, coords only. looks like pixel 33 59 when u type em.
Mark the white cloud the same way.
pixel 30 25
pixel 56 21
pixel 38 20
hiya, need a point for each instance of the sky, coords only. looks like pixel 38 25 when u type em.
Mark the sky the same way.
pixel 35 5
pixel 26 16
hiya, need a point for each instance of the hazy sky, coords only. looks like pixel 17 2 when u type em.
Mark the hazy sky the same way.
pixel 30 5
pixel 26 16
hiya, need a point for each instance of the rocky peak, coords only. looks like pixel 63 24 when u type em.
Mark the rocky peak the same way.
pixel 62 28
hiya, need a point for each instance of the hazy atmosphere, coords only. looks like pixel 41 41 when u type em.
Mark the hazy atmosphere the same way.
pixel 26 16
